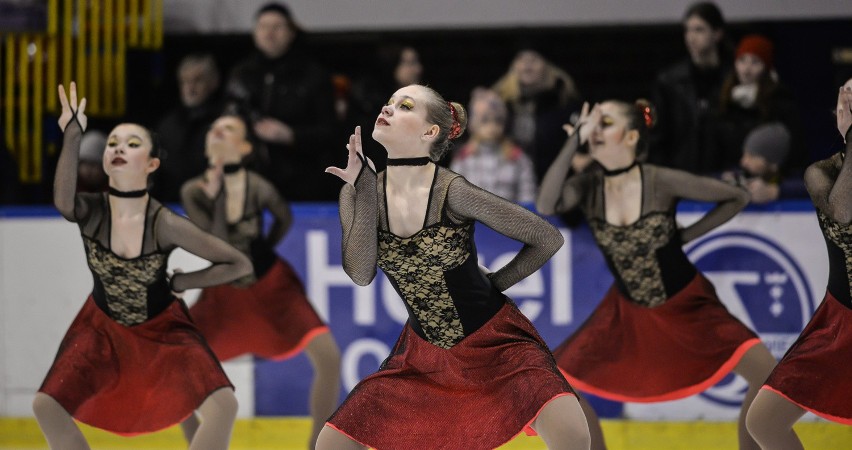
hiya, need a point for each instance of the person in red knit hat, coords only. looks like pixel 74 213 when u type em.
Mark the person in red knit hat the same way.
pixel 753 97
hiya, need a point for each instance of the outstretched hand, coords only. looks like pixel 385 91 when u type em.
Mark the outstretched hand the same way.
pixel 354 162
pixel 844 110
pixel 72 108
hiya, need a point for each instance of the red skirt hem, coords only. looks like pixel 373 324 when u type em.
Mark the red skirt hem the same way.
pixel 271 319
pixel 673 395
pixel 528 429
pixel 628 352
pixel 128 380
pixel 304 342
pixel 478 394
pixel 814 373
pixel 827 416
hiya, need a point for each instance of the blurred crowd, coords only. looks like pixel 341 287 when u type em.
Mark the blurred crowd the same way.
pixel 723 111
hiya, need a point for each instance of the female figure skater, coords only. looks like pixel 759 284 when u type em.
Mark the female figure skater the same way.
pixel 132 361
pixel 660 333
pixel 468 371
pixel 813 375
pixel 265 313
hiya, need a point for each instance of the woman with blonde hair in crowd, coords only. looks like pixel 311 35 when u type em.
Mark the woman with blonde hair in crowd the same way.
pixel 541 97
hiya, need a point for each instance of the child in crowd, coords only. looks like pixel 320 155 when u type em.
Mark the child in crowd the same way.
pixel 490 159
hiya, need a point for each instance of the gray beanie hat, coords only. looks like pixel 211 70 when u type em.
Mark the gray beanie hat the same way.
pixel 92 146
pixel 771 141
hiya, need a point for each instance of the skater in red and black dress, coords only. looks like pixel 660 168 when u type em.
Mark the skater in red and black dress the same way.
pixel 661 321
pixel 132 361
pixel 815 373
pixel 469 370
pixel 265 313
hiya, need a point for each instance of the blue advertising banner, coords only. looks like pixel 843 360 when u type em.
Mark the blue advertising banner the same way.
pixel 769 268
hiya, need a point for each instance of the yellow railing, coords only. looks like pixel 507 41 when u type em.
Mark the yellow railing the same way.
pixel 85 41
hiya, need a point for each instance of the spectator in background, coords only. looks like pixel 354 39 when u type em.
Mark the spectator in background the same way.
pixel 290 100
pixel 182 131
pixel 764 152
pixel 90 167
pixel 541 97
pixel 751 96
pixel 686 95
pixel 490 159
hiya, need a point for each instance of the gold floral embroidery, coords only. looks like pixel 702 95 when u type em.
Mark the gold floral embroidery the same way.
pixel 841 236
pixel 632 250
pixel 417 265
pixel 125 281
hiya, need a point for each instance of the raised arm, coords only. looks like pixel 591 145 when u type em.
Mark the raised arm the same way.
pixel 556 193
pixel 833 194
pixel 228 263
pixel 358 214
pixel 683 185
pixel 72 121
pixel 541 240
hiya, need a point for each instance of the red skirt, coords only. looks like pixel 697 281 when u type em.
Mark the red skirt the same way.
pixel 815 373
pixel 133 380
pixel 272 318
pixel 479 394
pixel 631 353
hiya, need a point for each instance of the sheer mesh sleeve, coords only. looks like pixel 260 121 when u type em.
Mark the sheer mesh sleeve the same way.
pixel 541 240
pixel 359 219
pixel 670 185
pixel 72 206
pixel 830 188
pixel 207 213
pixel 271 200
pixel 558 193
pixel 228 263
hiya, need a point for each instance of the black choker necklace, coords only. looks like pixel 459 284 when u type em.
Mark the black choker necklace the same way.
pixel 421 161
pixel 614 172
pixel 127 194
pixel 232 168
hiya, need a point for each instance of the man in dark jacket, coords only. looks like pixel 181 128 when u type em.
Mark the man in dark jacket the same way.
pixel 289 99
pixel 182 131
pixel 686 95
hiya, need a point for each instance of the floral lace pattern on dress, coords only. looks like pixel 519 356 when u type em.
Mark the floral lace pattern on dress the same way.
pixel 841 236
pixel 125 281
pixel 417 265
pixel 632 251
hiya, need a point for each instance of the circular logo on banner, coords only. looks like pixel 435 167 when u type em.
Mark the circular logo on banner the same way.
pixel 762 286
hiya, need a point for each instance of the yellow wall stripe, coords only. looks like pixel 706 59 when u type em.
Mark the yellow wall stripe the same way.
pixel 23 109
pixel 9 111
pixel 38 108
pixel 85 41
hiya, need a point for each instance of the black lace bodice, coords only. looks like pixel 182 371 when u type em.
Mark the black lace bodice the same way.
pixel 838 238
pixel 134 289
pixel 436 271
pixel 638 255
